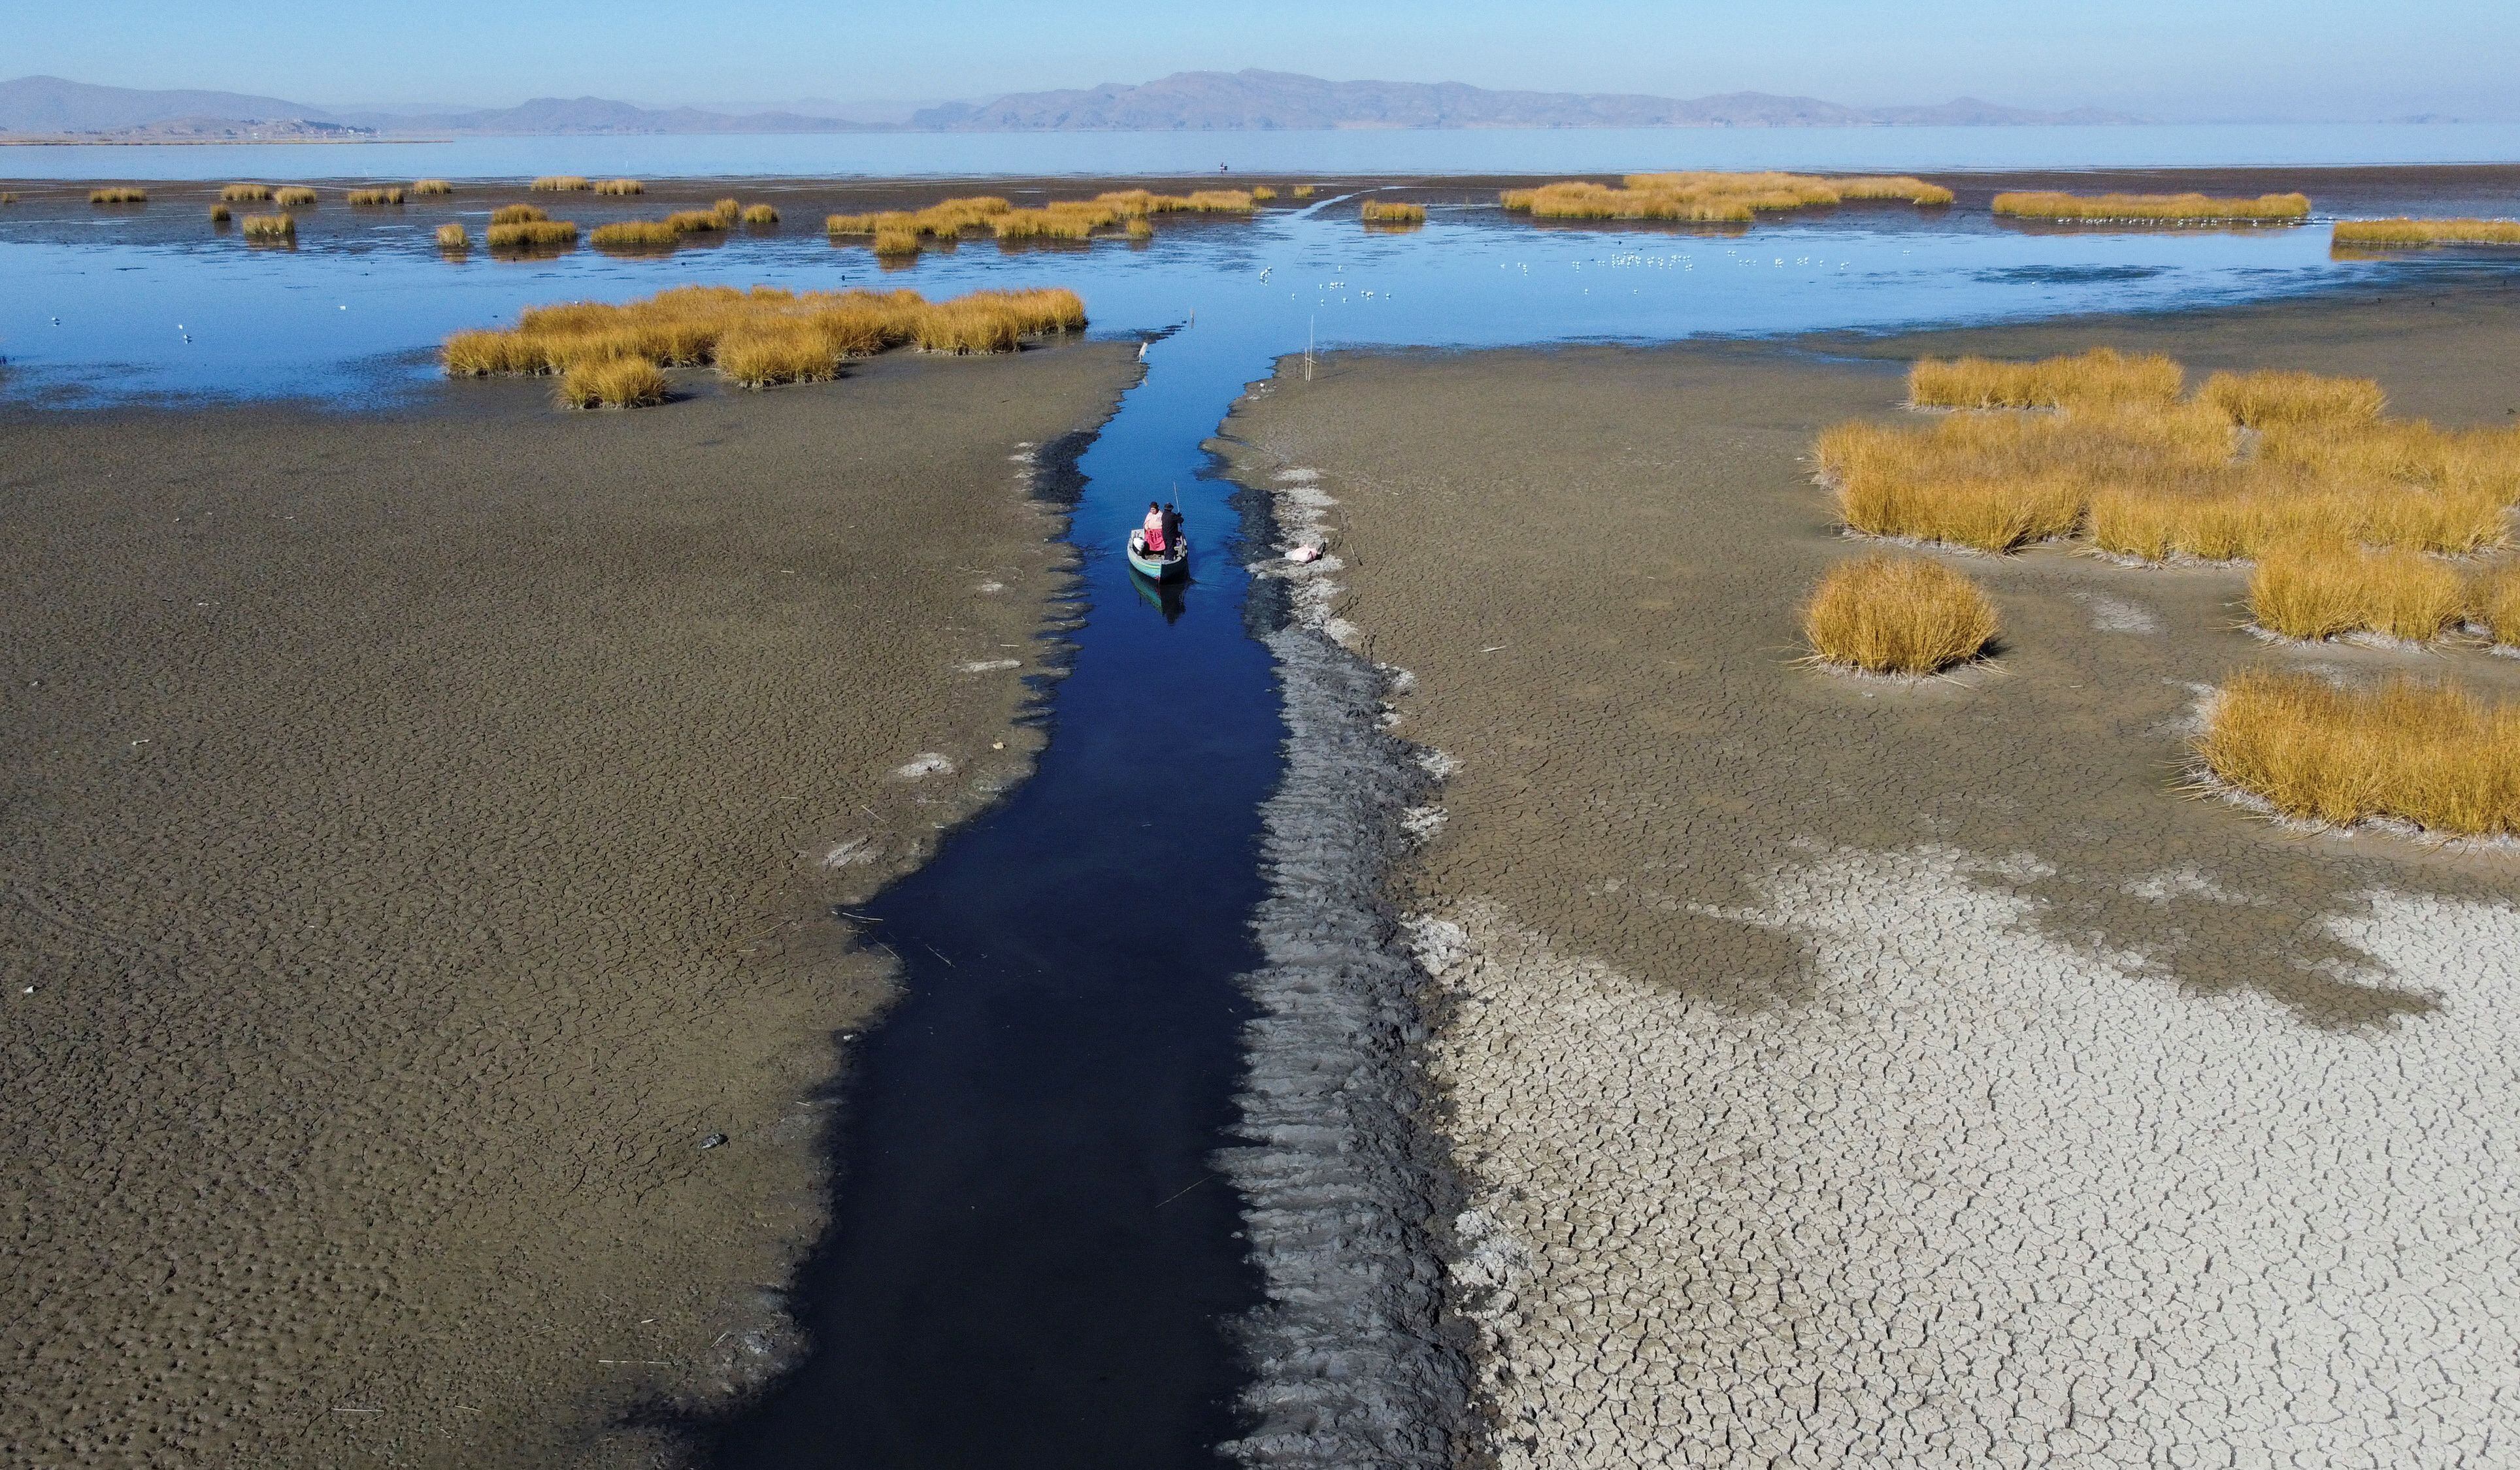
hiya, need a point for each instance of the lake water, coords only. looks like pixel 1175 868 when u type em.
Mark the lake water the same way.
pixel 1031 1261
pixel 1352 150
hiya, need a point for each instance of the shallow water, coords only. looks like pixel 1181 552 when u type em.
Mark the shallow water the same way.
pixel 1031 1261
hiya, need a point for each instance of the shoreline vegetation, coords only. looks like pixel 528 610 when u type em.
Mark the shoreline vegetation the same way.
pixel 903 232
pixel 2152 209
pixel 2386 233
pixel 1905 616
pixel 1713 198
pixel 1392 214
pixel 754 338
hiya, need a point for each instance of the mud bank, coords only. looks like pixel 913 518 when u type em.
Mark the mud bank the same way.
pixel 1348 1195
pixel 1851 1074
pixel 424 834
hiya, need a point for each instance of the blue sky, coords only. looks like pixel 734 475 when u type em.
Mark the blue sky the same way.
pixel 2182 59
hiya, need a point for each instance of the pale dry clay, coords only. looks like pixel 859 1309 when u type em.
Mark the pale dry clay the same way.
pixel 1986 1198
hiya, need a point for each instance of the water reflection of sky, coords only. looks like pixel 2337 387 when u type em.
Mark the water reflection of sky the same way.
pixel 350 317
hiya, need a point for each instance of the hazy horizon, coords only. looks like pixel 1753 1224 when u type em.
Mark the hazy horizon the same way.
pixel 2237 61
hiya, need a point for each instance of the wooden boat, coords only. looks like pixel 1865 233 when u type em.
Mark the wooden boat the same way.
pixel 1171 566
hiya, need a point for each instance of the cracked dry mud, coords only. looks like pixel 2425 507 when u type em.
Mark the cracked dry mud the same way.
pixel 419 830
pixel 1852 1073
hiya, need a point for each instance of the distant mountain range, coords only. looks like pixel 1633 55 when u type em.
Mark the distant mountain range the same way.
pixel 1267 101
pixel 1184 102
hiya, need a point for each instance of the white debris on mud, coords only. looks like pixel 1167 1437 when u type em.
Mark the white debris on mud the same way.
pixel 1983 1197
pixel 1352 1365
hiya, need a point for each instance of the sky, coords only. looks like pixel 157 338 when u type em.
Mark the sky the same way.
pixel 2176 60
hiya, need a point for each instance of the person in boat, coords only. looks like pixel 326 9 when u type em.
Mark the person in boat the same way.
pixel 1153 532
pixel 1172 529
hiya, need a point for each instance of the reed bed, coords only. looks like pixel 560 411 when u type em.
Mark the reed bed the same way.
pixel 245 193
pixel 727 209
pixel 2291 400
pixel 2383 234
pixel 220 215
pixel 1262 193
pixel 1392 212
pixel 452 238
pixel 620 187
pixel 270 228
pixel 531 235
pixel 2109 452
pixel 1302 191
pixel 904 233
pixel 696 222
pixel 1139 231
pixel 431 187
pixel 1897 615
pixel 2494 604
pixel 8 196
pixel 612 382
pixel 117 193
pixel 372 197
pixel 2318 591
pixel 1709 196
pixel 2433 755
pixel 515 214
pixel 760 336
pixel 636 234
pixel 2153 208
pixel 560 183
pixel 293 196
pixel 2100 375
pixel 760 216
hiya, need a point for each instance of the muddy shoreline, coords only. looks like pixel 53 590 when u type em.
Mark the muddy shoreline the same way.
pixel 425 832
pixel 1710 952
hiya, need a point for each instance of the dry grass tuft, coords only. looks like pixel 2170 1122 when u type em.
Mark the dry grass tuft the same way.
pixel 559 183
pixel 220 215
pixel 760 216
pixel 899 234
pixel 515 214
pixel 2494 602
pixel 270 228
pixel 1897 615
pixel 452 237
pixel 2430 754
pixel 2154 208
pixel 759 336
pixel 117 193
pixel 729 210
pixel 621 187
pixel 532 235
pixel 432 186
pixel 2320 591
pixel 695 221
pixel 293 196
pixel 1392 212
pixel 1138 230
pixel 1262 193
pixel 2269 400
pixel 245 193
pixel 2382 234
pixel 612 382
pixel 1302 191
pixel 2111 451
pixel 636 234
pixel 371 197
pixel 2098 375
pixel 1709 196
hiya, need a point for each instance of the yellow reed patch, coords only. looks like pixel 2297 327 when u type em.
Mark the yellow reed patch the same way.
pixel 431 187
pixel 2384 233
pixel 620 187
pixel 269 229
pixel 1897 615
pixel 760 216
pixel 532 235
pixel 451 236
pixel 2266 400
pixel 118 194
pixel 2433 755
pixel 1708 196
pixel 515 214
pixel 559 183
pixel 293 196
pixel 2154 208
pixel 1392 212
pixel 245 193
pixel 612 382
pixel 2321 591
pixel 2100 375
pixel 371 197
pixel 220 215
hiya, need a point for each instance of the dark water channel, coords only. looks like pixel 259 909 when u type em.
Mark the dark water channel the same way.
pixel 1031 1261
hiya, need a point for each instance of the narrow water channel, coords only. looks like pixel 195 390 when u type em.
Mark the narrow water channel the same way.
pixel 1031 1261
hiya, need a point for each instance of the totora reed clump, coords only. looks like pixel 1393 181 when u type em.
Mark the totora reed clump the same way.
pixel 620 187
pixel 2101 446
pixel 612 382
pixel 1897 615
pixel 532 235
pixel 1710 197
pixel 760 336
pixel 902 234
pixel 270 228
pixel 118 194
pixel 432 187
pixel 452 239
pixel 220 215
pixel 1392 212
pixel 559 183
pixel 245 193
pixel 293 196
pixel 2432 755
pixel 2153 208
pixel 2317 591
pixel 2389 234
pixel 760 216
pixel 372 197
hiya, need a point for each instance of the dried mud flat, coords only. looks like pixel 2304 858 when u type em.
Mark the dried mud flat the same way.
pixel 1840 1072
pixel 421 835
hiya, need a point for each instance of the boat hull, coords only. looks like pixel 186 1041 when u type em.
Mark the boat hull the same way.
pixel 1158 568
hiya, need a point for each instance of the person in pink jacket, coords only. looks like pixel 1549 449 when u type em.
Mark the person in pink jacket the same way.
pixel 1154 530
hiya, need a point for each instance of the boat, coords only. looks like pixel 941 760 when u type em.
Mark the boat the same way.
pixel 1171 566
